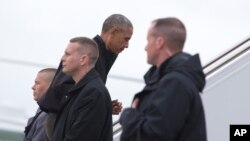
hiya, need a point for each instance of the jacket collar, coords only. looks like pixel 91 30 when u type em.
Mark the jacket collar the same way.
pixel 188 65
pixel 92 74
pixel 100 42
pixel 154 73
pixel 102 47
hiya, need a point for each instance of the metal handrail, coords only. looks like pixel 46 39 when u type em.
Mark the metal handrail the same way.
pixel 227 56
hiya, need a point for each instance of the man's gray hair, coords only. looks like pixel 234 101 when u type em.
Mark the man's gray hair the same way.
pixel 116 20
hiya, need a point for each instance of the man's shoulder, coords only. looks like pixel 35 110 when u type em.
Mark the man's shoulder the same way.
pixel 97 84
pixel 41 119
pixel 175 76
pixel 42 116
pixel 95 88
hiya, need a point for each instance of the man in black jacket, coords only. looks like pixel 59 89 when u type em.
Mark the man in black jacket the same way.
pixel 87 111
pixel 169 108
pixel 116 33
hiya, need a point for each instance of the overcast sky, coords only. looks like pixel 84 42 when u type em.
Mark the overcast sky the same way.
pixel 37 31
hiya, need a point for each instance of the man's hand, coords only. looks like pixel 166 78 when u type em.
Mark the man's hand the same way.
pixel 135 103
pixel 117 107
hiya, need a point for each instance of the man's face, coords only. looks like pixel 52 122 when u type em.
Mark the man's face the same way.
pixel 120 40
pixel 150 47
pixel 71 59
pixel 41 85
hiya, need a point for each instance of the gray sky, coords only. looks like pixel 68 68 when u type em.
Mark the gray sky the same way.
pixel 38 31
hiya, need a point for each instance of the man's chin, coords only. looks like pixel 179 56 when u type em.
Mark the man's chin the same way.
pixel 119 51
pixel 35 99
pixel 64 70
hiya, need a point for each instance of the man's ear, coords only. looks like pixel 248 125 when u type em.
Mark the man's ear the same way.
pixel 110 35
pixel 160 41
pixel 83 59
pixel 114 30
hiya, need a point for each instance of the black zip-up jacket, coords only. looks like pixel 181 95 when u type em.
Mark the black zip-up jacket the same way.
pixel 87 112
pixel 170 106
pixel 50 102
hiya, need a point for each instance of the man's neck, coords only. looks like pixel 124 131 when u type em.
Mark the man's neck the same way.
pixel 105 39
pixel 81 74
